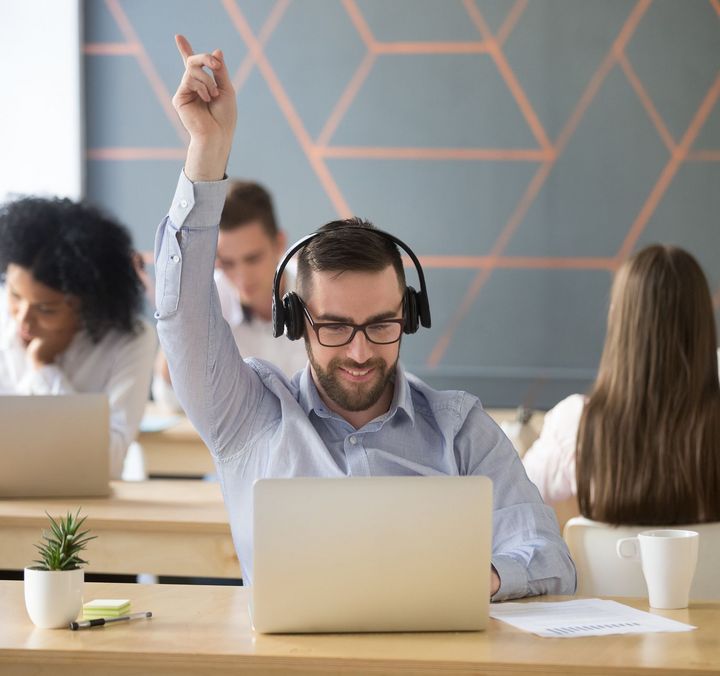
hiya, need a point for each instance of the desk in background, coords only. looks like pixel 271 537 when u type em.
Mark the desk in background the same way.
pixel 159 527
pixel 176 450
pixel 203 630
pixel 179 451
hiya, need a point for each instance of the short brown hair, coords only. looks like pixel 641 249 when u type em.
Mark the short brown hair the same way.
pixel 352 244
pixel 248 202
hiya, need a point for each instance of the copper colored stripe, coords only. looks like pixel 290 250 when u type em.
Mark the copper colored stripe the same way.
pixel 668 173
pixel 288 110
pixel 393 153
pixel 146 65
pixel 111 48
pixel 510 20
pixel 125 154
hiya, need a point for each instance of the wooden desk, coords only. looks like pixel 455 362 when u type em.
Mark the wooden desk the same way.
pixel 529 433
pixel 206 630
pixel 160 527
pixel 176 451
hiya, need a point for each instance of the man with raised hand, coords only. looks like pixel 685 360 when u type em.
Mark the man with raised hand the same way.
pixel 353 411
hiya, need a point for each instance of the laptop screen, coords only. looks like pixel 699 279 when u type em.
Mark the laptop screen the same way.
pixel 371 554
pixel 54 446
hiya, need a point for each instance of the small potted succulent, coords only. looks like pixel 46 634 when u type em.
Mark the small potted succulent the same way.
pixel 54 587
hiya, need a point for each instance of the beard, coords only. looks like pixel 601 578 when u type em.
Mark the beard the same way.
pixel 353 396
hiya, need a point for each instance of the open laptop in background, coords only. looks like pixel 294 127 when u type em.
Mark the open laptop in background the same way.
pixel 54 446
pixel 371 554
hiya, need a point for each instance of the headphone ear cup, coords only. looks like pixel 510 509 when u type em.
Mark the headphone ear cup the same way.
pixel 410 310
pixel 278 318
pixel 423 309
pixel 293 315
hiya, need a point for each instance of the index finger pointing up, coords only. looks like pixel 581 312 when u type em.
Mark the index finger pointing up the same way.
pixel 183 47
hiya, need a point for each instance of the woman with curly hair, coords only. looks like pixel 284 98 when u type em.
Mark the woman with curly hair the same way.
pixel 70 304
pixel 644 447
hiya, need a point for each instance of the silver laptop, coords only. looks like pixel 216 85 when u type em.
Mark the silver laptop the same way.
pixel 54 446
pixel 371 554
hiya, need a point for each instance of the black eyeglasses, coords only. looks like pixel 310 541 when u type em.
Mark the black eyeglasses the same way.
pixel 333 334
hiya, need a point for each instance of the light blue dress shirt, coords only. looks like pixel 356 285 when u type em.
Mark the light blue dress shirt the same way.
pixel 257 423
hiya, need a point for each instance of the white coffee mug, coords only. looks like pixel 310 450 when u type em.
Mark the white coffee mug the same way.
pixel 668 559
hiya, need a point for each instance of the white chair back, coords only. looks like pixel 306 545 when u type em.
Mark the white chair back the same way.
pixel 601 572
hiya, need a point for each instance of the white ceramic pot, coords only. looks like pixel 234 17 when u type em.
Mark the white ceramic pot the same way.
pixel 53 598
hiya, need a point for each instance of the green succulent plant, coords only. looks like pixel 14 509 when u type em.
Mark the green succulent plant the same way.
pixel 63 543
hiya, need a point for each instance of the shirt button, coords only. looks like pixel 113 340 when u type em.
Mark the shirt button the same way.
pixel 183 204
pixel 174 258
pixel 353 440
pixel 156 315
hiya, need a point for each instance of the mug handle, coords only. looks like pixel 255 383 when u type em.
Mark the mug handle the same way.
pixel 621 548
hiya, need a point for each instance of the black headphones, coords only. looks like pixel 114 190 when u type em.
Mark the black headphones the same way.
pixel 288 314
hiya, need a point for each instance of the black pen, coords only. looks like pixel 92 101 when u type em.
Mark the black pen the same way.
pixel 100 621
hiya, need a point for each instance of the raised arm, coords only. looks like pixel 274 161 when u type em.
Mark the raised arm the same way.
pixel 217 390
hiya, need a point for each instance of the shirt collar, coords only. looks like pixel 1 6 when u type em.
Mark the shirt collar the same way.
pixel 310 401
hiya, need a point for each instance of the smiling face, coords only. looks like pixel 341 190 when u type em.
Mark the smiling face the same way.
pixel 40 311
pixel 354 380
pixel 248 257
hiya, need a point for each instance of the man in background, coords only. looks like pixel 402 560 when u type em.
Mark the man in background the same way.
pixel 250 244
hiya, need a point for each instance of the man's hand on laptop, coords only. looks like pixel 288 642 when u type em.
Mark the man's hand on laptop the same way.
pixel 494 581
pixel 205 103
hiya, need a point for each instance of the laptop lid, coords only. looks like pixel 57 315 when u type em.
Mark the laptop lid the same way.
pixel 371 554
pixel 54 446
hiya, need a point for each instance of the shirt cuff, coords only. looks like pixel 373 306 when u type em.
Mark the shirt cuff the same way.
pixel 197 205
pixel 513 579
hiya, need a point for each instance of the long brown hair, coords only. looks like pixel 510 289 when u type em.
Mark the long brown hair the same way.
pixel 649 439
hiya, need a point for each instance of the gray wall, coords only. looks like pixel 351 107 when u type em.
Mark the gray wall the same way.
pixel 523 148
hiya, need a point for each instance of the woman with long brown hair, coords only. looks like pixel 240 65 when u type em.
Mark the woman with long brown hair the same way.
pixel 644 446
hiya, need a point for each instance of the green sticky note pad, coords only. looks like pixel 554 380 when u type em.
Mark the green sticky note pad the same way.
pixel 106 607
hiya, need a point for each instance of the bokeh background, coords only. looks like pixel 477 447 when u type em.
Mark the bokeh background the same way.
pixel 523 148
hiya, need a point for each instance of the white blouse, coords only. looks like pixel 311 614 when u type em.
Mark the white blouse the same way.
pixel 550 461
pixel 119 365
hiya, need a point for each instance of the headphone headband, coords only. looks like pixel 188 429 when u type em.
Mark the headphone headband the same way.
pixel 419 299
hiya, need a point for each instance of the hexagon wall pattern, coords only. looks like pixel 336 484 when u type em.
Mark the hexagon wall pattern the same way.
pixel 524 148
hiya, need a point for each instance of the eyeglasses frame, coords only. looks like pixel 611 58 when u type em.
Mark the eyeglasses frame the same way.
pixel 316 326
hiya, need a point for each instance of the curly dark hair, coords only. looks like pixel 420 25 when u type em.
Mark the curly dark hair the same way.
pixel 76 249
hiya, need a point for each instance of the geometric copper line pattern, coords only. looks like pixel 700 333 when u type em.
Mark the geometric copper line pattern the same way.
pixel 316 152
pixel 533 189
pixel 287 108
pixel 266 30
pixel 703 156
pixel 546 154
pixel 678 152
pixel 158 87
